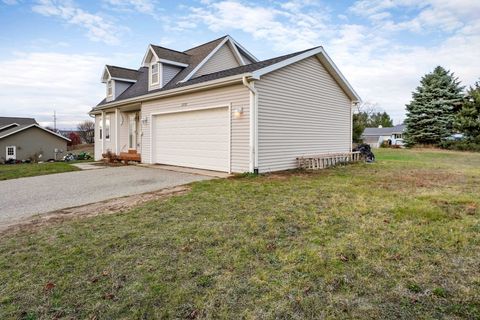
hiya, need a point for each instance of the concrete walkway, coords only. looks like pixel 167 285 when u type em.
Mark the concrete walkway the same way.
pixel 24 197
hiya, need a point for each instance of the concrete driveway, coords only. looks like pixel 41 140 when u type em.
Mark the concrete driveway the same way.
pixel 25 197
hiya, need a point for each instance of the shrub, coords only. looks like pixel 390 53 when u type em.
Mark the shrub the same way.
pixel 463 145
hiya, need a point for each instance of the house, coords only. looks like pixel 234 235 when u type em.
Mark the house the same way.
pixel 376 136
pixel 217 107
pixel 24 139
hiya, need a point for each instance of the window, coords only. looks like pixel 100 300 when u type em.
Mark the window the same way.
pixel 109 88
pixel 10 151
pixel 107 127
pixel 100 128
pixel 154 74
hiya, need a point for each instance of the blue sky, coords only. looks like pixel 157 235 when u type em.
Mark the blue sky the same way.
pixel 52 52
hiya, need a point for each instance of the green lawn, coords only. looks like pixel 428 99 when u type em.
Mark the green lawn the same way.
pixel 13 171
pixel 396 239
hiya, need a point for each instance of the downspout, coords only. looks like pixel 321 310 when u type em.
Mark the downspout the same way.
pixel 253 125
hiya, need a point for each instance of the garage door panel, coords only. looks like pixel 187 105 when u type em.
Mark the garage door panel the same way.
pixel 198 139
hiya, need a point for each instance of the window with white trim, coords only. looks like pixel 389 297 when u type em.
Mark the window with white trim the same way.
pixel 107 127
pixel 100 128
pixel 109 88
pixel 154 73
pixel 10 151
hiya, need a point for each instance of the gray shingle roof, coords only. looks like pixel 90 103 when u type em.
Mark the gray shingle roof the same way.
pixel 169 54
pixel 141 86
pixel 122 73
pixel 383 131
pixel 4 121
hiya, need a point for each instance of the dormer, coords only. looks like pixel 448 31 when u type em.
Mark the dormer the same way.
pixel 117 80
pixel 163 65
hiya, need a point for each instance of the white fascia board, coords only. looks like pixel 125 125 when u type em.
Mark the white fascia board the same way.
pixel 104 79
pixel 175 91
pixel 233 47
pixel 34 125
pixel 175 63
pixel 251 56
pixel 331 67
pixel 124 80
pixel 205 60
pixel 150 49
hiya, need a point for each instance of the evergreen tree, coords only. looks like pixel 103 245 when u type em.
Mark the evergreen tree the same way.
pixel 468 119
pixel 380 119
pixel 431 113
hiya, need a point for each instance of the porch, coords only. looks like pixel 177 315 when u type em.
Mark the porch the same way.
pixel 118 134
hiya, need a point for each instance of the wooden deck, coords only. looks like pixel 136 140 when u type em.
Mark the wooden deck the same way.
pixel 326 160
pixel 131 155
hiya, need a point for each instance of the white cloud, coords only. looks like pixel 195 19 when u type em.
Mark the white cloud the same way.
pixel 149 7
pixel 37 83
pixel 287 27
pixel 98 28
pixel 10 2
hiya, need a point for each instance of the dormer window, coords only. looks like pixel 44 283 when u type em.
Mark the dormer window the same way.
pixel 154 74
pixel 109 88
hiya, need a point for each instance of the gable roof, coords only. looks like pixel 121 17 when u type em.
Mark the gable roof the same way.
pixel 6 121
pixel 169 54
pixel 121 73
pixel 254 70
pixel 23 127
pixel 140 88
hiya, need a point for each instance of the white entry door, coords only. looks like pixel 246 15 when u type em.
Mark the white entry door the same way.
pixel 11 152
pixel 197 139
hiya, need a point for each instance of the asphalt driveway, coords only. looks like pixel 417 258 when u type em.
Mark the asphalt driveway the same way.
pixel 25 197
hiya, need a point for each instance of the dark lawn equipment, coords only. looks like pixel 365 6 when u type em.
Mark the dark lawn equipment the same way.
pixel 366 152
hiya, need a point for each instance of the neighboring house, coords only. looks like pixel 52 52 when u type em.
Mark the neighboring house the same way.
pixel 24 139
pixel 376 136
pixel 216 107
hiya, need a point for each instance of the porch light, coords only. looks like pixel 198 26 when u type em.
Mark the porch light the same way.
pixel 237 112
pixel 144 120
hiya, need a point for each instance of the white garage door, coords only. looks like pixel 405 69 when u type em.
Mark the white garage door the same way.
pixel 197 139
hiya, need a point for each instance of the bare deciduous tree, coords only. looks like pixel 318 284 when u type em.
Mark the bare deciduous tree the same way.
pixel 86 131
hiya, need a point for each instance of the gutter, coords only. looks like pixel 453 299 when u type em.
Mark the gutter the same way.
pixel 175 91
pixel 253 124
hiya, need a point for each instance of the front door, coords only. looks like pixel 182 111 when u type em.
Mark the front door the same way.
pixel 132 131
pixel 11 153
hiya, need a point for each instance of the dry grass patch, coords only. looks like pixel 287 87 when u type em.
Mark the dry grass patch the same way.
pixel 341 243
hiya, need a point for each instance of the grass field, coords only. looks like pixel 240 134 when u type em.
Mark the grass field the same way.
pixel 13 171
pixel 396 239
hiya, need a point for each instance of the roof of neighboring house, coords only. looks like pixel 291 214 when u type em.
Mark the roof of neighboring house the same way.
pixel 141 86
pixel 23 127
pixel 5 121
pixel 387 131
pixel 399 128
pixel 122 73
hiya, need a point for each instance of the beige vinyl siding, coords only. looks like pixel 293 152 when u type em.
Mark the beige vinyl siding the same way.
pixel 221 60
pixel 169 72
pixel 301 111
pixel 236 95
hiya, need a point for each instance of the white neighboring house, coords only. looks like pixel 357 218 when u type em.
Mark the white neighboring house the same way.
pixel 216 107
pixel 376 136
